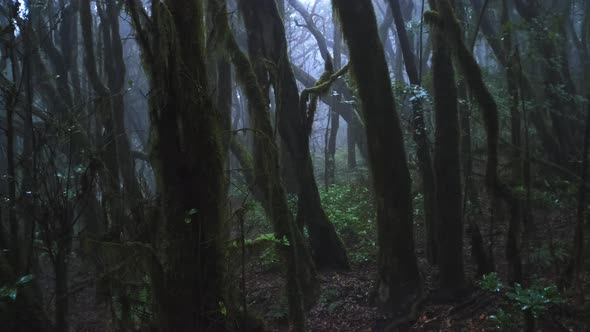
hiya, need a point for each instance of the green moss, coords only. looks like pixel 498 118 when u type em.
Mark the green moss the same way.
pixel 320 87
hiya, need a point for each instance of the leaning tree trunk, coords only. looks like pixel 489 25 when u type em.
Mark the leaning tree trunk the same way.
pixel 302 285
pixel 262 19
pixel 398 284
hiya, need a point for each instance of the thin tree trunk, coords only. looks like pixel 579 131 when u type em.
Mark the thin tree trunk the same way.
pixel 12 95
pixel 515 206
pixel 483 259
pixel 420 135
pixel 335 116
pixel 332 132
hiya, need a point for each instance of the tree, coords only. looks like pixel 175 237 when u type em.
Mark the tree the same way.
pixel 188 166
pixel 420 133
pixel 328 251
pixel 447 165
pixel 302 285
pixel 398 287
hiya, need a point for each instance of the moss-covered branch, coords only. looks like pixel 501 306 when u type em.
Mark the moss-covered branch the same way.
pixel 320 87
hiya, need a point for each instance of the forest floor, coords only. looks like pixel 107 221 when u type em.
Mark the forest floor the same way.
pixel 344 304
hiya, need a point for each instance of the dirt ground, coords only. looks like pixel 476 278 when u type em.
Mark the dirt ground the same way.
pixel 345 306
pixel 345 301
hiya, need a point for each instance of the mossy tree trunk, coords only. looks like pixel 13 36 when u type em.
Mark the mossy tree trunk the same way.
pixel 446 22
pixel 420 134
pixel 335 116
pixel 447 165
pixel 266 40
pixel 355 132
pixel 482 257
pixel 398 284
pixel 516 208
pixel 302 286
pixel 188 166
pixel 121 194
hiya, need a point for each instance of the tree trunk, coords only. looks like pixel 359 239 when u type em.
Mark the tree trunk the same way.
pixel 335 116
pixel 447 166
pixel 515 206
pixel 355 131
pixel 301 275
pixel 261 19
pixel 188 166
pixel 483 259
pixel 398 285
pixel 332 133
pixel 420 134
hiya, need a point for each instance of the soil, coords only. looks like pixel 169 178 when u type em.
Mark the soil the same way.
pixel 345 301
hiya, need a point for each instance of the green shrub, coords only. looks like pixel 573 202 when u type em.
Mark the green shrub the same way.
pixel 11 291
pixel 348 206
pixel 351 210
pixel 531 302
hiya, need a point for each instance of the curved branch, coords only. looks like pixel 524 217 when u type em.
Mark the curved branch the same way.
pixel 311 26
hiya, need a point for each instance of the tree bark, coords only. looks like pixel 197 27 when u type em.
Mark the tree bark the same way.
pixel 335 117
pixel 398 285
pixel 302 286
pixel 420 134
pixel 447 165
pixel 516 206
pixel 261 19
pixel 188 166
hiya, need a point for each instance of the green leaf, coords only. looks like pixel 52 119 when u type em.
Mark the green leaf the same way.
pixel 13 293
pixel 491 282
pixel 222 308
pixel 8 292
pixel 188 218
pixel 24 279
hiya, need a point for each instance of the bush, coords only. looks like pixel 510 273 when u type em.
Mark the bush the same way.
pixel 531 301
pixel 351 210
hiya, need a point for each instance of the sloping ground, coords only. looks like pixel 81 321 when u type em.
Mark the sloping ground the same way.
pixel 344 304
pixel 85 313
pixel 345 301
